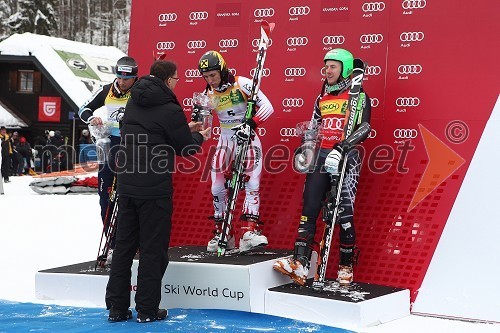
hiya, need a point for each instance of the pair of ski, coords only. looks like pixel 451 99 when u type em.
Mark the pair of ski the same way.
pixel 237 180
pixel 109 227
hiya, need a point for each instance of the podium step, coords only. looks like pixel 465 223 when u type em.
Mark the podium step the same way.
pixel 194 279
pixel 357 306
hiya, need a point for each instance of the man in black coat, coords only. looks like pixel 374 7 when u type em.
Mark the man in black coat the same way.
pixel 154 130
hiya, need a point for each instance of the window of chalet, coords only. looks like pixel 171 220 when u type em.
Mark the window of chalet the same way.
pixel 25 81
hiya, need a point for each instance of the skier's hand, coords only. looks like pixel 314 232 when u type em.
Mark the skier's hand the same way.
pixel 332 161
pixel 195 115
pixel 95 121
pixel 242 133
pixel 303 159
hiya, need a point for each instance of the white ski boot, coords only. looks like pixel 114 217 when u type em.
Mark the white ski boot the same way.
pixel 292 268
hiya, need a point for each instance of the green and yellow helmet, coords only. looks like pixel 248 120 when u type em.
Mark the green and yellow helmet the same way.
pixel 213 60
pixel 344 57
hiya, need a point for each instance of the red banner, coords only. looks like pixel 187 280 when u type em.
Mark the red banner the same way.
pixel 49 109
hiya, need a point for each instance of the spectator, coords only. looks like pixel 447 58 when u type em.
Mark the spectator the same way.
pixel 6 153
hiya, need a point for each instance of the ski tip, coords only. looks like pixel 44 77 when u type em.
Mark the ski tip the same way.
pixel 267 27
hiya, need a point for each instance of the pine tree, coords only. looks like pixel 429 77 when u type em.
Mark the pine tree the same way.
pixel 36 16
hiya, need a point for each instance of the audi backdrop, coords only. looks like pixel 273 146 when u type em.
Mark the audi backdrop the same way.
pixel 423 57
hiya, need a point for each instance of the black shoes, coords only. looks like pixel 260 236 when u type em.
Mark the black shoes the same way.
pixel 119 315
pixel 144 318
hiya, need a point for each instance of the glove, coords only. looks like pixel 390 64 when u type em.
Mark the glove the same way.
pixel 242 133
pixel 195 115
pixel 333 159
pixel 303 159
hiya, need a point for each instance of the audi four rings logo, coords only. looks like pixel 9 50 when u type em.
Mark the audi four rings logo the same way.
pixel 165 45
pixel 413 36
pixel 332 123
pixel 198 16
pixel 167 17
pixel 373 6
pixel 372 134
pixel 187 102
pixel 410 69
pixel 263 12
pixel 261 131
pixel 287 132
pixel 232 71
pixel 407 101
pixel 292 102
pixel 265 72
pixel 374 102
pixel 228 43
pixel 191 73
pixel 297 41
pixel 371 38
pixel 333 40
pixel 295 71
pixel 413 4
pixel 255 42
pixel 196 44
pixel 405 133
pixel 298 11
pixel 373 70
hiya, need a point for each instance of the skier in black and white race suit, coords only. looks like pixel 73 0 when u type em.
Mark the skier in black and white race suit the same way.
pixel 114 96
pixel 330 110
pixel 229 95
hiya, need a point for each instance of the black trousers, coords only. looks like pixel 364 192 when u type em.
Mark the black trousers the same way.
pixel 144 225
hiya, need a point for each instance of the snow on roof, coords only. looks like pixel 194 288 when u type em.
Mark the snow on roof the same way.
pixel 9 120
pixel 79 68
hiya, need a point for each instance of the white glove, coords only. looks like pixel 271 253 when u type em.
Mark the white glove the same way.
pixel 332 161
pixel 242 133
pixel 304 158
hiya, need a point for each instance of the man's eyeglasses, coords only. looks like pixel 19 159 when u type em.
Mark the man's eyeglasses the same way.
pixel 175 78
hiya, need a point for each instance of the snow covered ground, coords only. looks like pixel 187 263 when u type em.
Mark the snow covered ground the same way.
pixel 46 231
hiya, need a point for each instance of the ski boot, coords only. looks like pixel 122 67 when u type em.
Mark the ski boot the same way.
pixel 144 318
pixel 213 244
pixel 297 266
pixel 252 238
pixel 345 275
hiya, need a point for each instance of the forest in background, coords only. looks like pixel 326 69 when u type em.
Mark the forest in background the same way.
pixel 103 22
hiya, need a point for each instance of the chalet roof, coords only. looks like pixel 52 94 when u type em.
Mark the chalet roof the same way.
pixel 78 68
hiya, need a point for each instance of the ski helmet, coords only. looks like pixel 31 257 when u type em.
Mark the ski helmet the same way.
pixel 126 68
pixel 344 57
pixel 212 60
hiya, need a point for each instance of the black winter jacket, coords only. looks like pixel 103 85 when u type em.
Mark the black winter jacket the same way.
pixel 154 129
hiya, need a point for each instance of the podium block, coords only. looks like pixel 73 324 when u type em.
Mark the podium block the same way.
pixel 355 307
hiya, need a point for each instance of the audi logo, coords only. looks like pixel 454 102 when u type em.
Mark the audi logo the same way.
pixel 299 11
pixel 255 42
pixel 187 102
pixel 261 131
pixel 371 38
pixel 413 4
pixel 232 71
pixel 295 71
pixel 414 36
pixel 333 40
pixel 197 16
pixel 227 43
pixel 292 102
pixel 196 44
pixel 265 72
pixel 409 69
pixel 407 101
pixel 288 132
pixel 332 123
pixel 191 73
pixel 373 6
pixel 216 131
pixel 263 12
pixel 405 133
pixel 374 102
pixel 372 134
pixel 297 41
pixel 165 45
pixel 167 17
pixel 373 70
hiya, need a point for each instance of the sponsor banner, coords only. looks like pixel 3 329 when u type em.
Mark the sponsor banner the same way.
pixel 49 109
